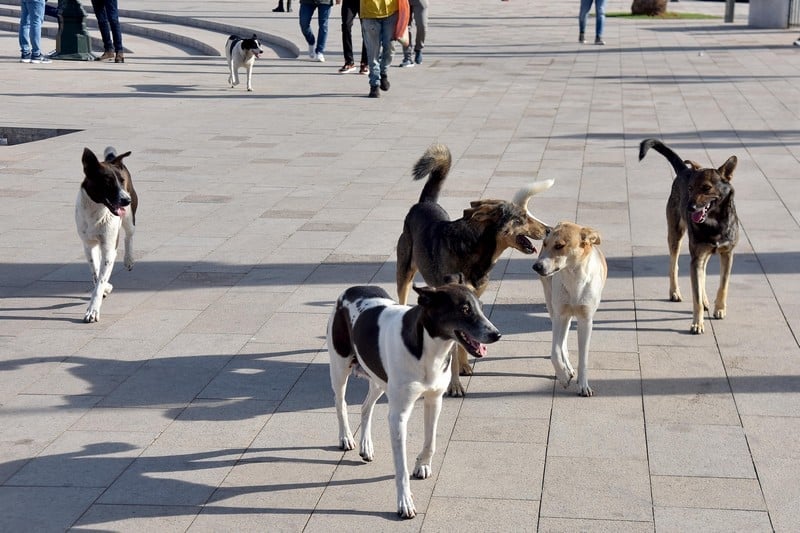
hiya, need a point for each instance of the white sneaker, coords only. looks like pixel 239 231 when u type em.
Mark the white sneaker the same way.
pixel 407 63
pixel 320 58
pixel 311 53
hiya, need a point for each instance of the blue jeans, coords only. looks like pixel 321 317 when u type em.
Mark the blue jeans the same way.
pixel 30 27
pixel 377 34
pixel 323 12
pixel 108 24
pixel 600 14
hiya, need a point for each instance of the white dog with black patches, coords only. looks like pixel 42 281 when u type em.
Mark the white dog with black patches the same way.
pixel 242 53
pixel 405 352
pixel 106 201
pixel 573 271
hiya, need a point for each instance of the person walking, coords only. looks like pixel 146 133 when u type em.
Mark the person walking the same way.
pixel 600 16
pixel 350 10
pixel 378 20
pixel 419 14
pixel 31 16
pixel 316 47
pixel 107 16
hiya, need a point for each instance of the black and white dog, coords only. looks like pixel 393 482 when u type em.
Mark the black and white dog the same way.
pixel 106 201
pixel 242 53
pixel 405 352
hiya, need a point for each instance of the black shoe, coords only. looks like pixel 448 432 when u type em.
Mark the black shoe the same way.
pixel 278 9
pixel 385 82
pixel 374 92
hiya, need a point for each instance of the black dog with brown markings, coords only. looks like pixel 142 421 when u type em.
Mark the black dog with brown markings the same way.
pixel 700 204
pixel 436 247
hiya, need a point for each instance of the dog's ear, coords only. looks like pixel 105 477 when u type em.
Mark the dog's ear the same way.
pixel 727 168
pixel 117 161
pixel 589 236
pixel 693 164
pixel 89 160
pixel 457 279
pixel 425 294
pixel 483 212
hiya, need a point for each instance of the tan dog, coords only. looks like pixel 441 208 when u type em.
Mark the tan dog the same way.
pixel 573 271
pixel 700 204
pixel 437 247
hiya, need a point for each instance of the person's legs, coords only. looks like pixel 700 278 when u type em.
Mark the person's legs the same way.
pixel 36 11
pixel 323 14
pixel 420 10
pixel 306 12
pixel 583 15
pixel 112 13
pixel 371 34
pixel 349 11
pixel 386 34
pixel 99 7
pixel 600 14
pixel 25 29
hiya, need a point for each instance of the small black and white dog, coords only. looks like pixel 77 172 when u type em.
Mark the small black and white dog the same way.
pixel 405 352
pixel 242 53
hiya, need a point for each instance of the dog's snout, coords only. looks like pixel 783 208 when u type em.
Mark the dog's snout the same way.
pixel 538 267
pixel 494 336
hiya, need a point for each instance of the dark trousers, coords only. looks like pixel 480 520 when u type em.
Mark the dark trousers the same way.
pixel 108 23
pixel 349 13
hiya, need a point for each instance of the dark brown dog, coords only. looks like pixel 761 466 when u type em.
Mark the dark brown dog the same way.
pixel 701 203
pixel 436 247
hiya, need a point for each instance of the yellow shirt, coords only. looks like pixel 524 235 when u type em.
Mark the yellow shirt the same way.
pixel 377 9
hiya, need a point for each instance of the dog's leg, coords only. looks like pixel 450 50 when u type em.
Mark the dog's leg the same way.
pixel 127 225
pixel 340 373
pixel 400 405
pixel 233 79
pixel 675 233
pixel 405 270
pixel 367 452
pixel 433 406
pixel 102 287
pixel 559 355
pixel 584 336
pixel 699 262
pixel 725 265
pixel 455 389
pixel 250 77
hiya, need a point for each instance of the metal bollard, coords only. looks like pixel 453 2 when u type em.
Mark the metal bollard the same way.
pixel 72 41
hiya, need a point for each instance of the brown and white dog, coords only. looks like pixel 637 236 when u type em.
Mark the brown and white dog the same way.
pixel 106 201
pixel 405 352
pixel 573 271
pixel 242 53
pixel 436 247
pixel 700 204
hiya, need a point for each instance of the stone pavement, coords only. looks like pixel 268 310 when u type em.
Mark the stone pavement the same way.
pixel 201 402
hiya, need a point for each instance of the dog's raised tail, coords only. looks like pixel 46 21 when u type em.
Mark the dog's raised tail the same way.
pixel 435 162
pixel 677 163
pixel 524 195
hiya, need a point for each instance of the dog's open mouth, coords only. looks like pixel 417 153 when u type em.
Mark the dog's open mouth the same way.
pixel 474 347
pixel 524 245
pixel 117 209
pixel 699 215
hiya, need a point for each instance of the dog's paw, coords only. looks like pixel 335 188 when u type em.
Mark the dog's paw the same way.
pixel 697 328
pixel 249 89
pixel 107 288
pixel 719 313
pixel 465 370
pixel 347 443
pixel 586 391
pixel 456 389
pixel 423 471
pixel 405 506
pixel 129 262
pixel 675 296
pixel 367 452
pixel 565 376
pixel 92 315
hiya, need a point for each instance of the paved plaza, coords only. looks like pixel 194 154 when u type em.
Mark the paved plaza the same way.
pixel 201 400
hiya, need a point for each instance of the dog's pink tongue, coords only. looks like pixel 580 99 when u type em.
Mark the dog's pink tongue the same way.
pixel 121 211
pixel 482 349
pixel 698 215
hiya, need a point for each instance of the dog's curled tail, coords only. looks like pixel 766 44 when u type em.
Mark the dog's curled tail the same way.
pixel 523 196
pixel 677 163
pixel 434 162
pixel 109 153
